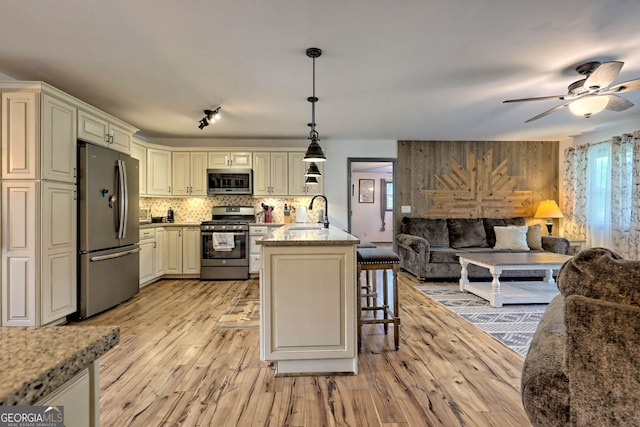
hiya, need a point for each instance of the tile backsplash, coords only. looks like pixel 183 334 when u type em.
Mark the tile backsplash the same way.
pixel 198 209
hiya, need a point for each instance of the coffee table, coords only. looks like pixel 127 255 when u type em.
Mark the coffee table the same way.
pixel 522 292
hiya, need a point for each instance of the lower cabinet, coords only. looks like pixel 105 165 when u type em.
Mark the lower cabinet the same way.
pixel 257 232
pixel 38 252
pixel 183 250
pixel 80 398
pixel 161 252
pixel 147 255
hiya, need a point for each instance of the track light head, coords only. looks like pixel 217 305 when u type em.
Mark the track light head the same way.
pixel 210 116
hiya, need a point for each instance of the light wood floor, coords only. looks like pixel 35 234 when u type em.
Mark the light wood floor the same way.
pixel 173 368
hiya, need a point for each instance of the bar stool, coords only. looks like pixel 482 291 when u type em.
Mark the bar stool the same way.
pixel 368 290
pixel 380 259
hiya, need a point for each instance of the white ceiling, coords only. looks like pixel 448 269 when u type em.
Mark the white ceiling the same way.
pixel 408 69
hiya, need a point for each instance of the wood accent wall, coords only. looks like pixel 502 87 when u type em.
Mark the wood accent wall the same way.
pixel 446 179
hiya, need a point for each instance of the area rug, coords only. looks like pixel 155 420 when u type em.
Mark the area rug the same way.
pixel 242 313
pixel 512 324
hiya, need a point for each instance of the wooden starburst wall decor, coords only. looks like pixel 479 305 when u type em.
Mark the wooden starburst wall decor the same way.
pixel 479 191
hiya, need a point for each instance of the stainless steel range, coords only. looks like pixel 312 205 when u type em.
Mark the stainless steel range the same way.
pixel 225 243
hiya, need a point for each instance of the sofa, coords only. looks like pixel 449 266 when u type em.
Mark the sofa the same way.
pixel 427 246
pixel 583 365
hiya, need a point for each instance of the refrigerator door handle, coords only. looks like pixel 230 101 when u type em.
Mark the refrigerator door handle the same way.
pixel 116 255
pixel 123 198
pixel 125 186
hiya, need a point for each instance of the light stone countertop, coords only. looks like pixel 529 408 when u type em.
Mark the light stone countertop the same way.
pixel 307 235
pixel 170 224
pixel 36 361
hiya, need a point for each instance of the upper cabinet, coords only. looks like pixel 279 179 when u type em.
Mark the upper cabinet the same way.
pixel 189 173
pixel 158 172
pixel 224 160
pixel 139 151
pixel 19 135
pixel 58 140
pixel 297 169
pixel 270 174
pixel 102 130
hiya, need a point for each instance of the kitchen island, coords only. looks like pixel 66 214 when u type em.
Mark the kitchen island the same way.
pixel 55 366
pixel 308 289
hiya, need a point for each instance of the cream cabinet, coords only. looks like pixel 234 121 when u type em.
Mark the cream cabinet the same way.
pixel 161 251
pixel 147 255
pixel 58 290
pixel 58 140
pixel 20 142
pixel 223 160
pixel 139 151
pixel 297 169
pixel 191 250
pixel 100 129
pixel 158 172
pixel 257 232
pixel 183 251
pixel 19 222
pixel 189 173
pixel 270 174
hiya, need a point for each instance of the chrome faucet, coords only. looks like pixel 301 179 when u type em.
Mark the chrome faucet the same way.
pixel 325 219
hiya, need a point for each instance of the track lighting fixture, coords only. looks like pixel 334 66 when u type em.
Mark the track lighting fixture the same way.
pixel 210 116
pixel 314 152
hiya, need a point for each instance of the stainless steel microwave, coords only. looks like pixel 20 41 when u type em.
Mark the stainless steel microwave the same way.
pixel 229 181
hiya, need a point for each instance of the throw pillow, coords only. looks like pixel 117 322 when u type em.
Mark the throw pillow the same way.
pixel 490 223
pixel 534 237
pixel 467 233
pixel 512 237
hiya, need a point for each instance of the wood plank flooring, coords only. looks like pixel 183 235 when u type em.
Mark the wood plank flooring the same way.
pixel 173 368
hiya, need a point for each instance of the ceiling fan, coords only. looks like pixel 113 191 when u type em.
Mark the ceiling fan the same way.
pixel 593 93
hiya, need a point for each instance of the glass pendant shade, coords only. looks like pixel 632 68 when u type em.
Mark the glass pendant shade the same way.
pixel 589 105
pixel 311 180
pixel 313 170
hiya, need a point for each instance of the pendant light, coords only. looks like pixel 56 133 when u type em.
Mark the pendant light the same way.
pixel 313 170
pixel 311 180
pixel 314 151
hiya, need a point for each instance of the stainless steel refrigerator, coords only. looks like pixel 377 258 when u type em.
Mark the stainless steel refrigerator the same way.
pixel 108 231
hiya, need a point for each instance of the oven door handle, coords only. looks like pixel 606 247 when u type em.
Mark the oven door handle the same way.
pixel 235 233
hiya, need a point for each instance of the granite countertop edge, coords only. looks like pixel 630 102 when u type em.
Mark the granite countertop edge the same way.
pixel 36 383
pixel 308 235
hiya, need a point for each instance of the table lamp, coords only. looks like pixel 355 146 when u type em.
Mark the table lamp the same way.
pixel 548 209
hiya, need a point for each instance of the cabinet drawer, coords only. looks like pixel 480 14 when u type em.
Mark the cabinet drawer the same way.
pixel 147 233
pixel 259 230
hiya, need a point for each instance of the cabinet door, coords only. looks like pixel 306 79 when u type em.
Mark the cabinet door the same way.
pixel 19 208
pixel 198 174
pixel 218 160
pixel 139 152
pixel 261 174
pixel 59 140
pixel 161 251
pixel 173 251
pixel 180 173
pixel 279 174
pixel 158 172
pixel 93 129
pixel 191 250
pixel 119 138
pixel 240 160
pixel 147 261
pixel 58 291
pixel 19 136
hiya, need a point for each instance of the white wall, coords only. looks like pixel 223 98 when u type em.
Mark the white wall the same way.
pixel 336 171
pixel 365 217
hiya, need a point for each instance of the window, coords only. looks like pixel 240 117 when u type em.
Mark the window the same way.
pixel 389 196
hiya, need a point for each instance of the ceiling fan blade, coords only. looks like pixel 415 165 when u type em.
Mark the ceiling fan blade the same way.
pixel 546 113
pixel 604 75
pixel 541 98
pixel 617 103
pixel 629 86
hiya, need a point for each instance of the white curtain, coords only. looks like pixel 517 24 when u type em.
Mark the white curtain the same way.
pixel 602 194
pixel 599 196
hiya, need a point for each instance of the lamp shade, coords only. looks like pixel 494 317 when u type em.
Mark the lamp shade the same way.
pixel 548 209
pixel 311 180
pixel 314 153
pixel 588 105
pixel 313 170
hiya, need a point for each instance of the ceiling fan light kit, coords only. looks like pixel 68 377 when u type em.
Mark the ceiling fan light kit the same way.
pixel 592 94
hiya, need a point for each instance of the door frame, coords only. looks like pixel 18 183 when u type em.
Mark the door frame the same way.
pixel 394 174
